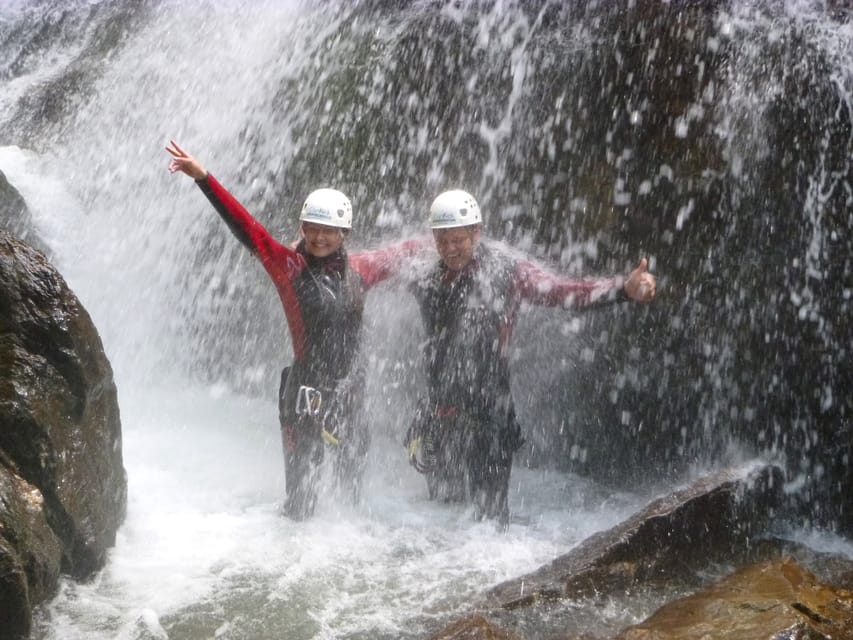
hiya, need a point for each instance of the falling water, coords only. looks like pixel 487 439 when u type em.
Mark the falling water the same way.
pixel 715 141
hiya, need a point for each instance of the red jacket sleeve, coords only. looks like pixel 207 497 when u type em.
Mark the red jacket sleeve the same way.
pixel 282 263
pixel 540 287
pixel 278 259
pixel 380 264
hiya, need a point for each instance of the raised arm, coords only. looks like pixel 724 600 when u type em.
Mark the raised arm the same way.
pixel 245 228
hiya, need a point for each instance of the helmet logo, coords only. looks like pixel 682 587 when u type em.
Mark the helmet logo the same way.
pixel 445 216
pixel 317 213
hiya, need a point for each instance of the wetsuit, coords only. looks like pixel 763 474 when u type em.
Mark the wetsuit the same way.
pixel 468 425
pixel 323 302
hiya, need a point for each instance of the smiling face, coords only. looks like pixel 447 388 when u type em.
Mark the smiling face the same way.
pixel 321 240
pixel 456 245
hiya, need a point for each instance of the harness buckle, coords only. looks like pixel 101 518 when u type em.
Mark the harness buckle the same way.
pixel 308 401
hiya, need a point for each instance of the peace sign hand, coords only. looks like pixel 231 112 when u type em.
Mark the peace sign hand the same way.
pixel 184 162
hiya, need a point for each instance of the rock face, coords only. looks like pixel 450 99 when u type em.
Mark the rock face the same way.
pixel 724 516
pixel 15 217
pixel 770 600
pixel 715 517
pixel 777 599
pixel 63 488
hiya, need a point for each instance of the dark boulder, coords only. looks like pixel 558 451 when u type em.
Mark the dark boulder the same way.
pixel 30 553
pixel 722 519
pixel 777 598
pixel 718 516
pixel 63 488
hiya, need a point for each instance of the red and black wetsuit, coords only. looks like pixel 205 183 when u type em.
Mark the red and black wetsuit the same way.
pixel 323 302
pixel 469 316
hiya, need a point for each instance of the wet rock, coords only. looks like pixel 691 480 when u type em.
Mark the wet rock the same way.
pixel 46 108
pixel 475 627
pixel 840 9
pixel 30 553
pixel 718 516
pixel 833 568
pixel 14 603
pixel 15 216
pixel 63 488
pixel 779 600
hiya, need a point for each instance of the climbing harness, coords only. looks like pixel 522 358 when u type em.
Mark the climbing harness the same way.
pixel 422 453
pixel 323 283
pixel 309 401
pixel 329 437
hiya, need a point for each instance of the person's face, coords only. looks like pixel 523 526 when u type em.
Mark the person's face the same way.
pixel 456 246
pixel 321 240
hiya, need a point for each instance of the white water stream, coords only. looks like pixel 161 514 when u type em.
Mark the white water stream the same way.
pixel 204 552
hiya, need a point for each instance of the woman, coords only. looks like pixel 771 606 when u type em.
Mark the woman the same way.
pixel 322 290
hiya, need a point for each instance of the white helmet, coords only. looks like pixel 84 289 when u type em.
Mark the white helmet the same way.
pixel 329 207
pixel 454 209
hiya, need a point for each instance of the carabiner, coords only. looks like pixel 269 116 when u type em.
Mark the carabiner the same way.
pixel 308 401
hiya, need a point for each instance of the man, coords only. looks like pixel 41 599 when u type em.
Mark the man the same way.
pixel 465 433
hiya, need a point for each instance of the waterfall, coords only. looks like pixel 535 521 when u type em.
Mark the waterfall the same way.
pixel 715 139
